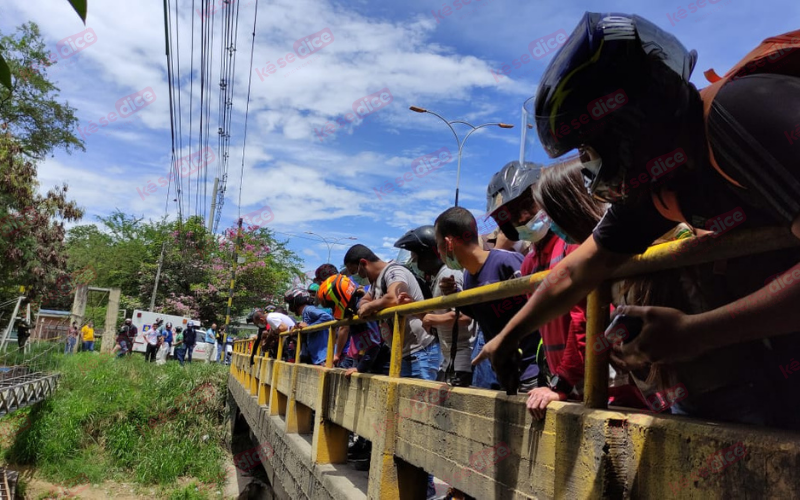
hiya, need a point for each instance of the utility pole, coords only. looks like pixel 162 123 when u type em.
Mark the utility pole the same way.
pixel 158 275
pixel 213 206
pixel 233 276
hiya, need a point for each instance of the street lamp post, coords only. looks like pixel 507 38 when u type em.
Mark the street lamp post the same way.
pixel 458 141
pixel 334 241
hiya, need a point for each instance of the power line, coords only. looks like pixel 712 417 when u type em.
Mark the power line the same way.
pixel 247 111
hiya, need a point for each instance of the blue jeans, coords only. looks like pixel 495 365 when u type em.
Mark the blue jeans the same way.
pixel 429 360
pixel 88 345
pixel 180 352
pixel 71 341
pixel 189 350
pixel 482 375
pixel 410 367
pixel 220 351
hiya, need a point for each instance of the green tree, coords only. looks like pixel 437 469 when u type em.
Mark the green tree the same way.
pixel 31 109
pixel 31 225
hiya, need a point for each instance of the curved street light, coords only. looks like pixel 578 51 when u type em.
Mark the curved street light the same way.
pixel 460 143
pixel 335 241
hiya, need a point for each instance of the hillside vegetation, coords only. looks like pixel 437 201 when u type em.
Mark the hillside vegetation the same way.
pixel 127 421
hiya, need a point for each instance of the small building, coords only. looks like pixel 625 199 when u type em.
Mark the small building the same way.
pixel 51 325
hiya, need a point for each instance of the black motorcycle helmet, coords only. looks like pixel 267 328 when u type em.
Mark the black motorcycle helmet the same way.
pixel 617 90
pixel 422 241
pixel 512 184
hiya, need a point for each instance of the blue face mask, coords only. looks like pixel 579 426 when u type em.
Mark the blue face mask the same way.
pixel 561 234
pixel 536 228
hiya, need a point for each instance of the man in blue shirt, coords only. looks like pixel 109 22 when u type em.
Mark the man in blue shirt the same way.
pixel 457 241
pixel 300 303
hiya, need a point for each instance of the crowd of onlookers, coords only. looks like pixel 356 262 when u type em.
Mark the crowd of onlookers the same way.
pixel 163 341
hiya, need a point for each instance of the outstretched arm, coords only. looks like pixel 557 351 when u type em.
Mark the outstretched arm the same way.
pixel 570 281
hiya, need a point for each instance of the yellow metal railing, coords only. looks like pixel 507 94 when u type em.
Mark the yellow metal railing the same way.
pixel 281 392
pixel 670 255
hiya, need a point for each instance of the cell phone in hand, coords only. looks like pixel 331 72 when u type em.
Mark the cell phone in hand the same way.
pixel 625 328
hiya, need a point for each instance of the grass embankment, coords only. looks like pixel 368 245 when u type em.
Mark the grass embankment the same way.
pixel 127 421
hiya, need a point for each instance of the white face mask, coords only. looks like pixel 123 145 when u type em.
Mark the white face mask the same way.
pixel 536 228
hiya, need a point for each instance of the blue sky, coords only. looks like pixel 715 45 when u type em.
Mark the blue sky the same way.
pixel 329 183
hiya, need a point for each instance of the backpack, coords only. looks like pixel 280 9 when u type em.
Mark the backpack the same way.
pixel 426 289
pixel 779 55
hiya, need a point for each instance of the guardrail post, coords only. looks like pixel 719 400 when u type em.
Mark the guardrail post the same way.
pixel 298 416
pixel 329 442
pixel 331 347
pixel 265 375
pixel 390 477
pixel 595 393
pixel 254 370
pixel 277 401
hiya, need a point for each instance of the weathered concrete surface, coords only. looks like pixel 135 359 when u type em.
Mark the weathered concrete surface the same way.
pixel 486 444
pixel 289 469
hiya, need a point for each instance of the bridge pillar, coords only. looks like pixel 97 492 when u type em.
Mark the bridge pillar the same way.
pixel 298 416
pixel 110 329
pixel 389 476
pixel 79 308
pixel 329 444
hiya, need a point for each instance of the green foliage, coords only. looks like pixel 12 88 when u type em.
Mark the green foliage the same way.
pixel 196 271
pixel 31 225
pixel 127 420
pixel 31 110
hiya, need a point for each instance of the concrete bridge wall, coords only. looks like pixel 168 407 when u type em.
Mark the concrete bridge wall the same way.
pixel 486 444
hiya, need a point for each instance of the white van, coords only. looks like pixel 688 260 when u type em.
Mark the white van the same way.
pixel 143 320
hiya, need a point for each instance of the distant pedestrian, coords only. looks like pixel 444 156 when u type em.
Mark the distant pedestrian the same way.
pixel 152 339
pixel 220 342
pixel 72 338
pixel 132 333
pixel 88 336
pixel 211 340
pixel 190 340
pixel 180 345
pixel 122 342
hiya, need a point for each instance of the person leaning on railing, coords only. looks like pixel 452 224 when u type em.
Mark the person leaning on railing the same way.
pixel 388 281
pixel 572 214
pixel 457 242
pixel 301 304
pixel 752 180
